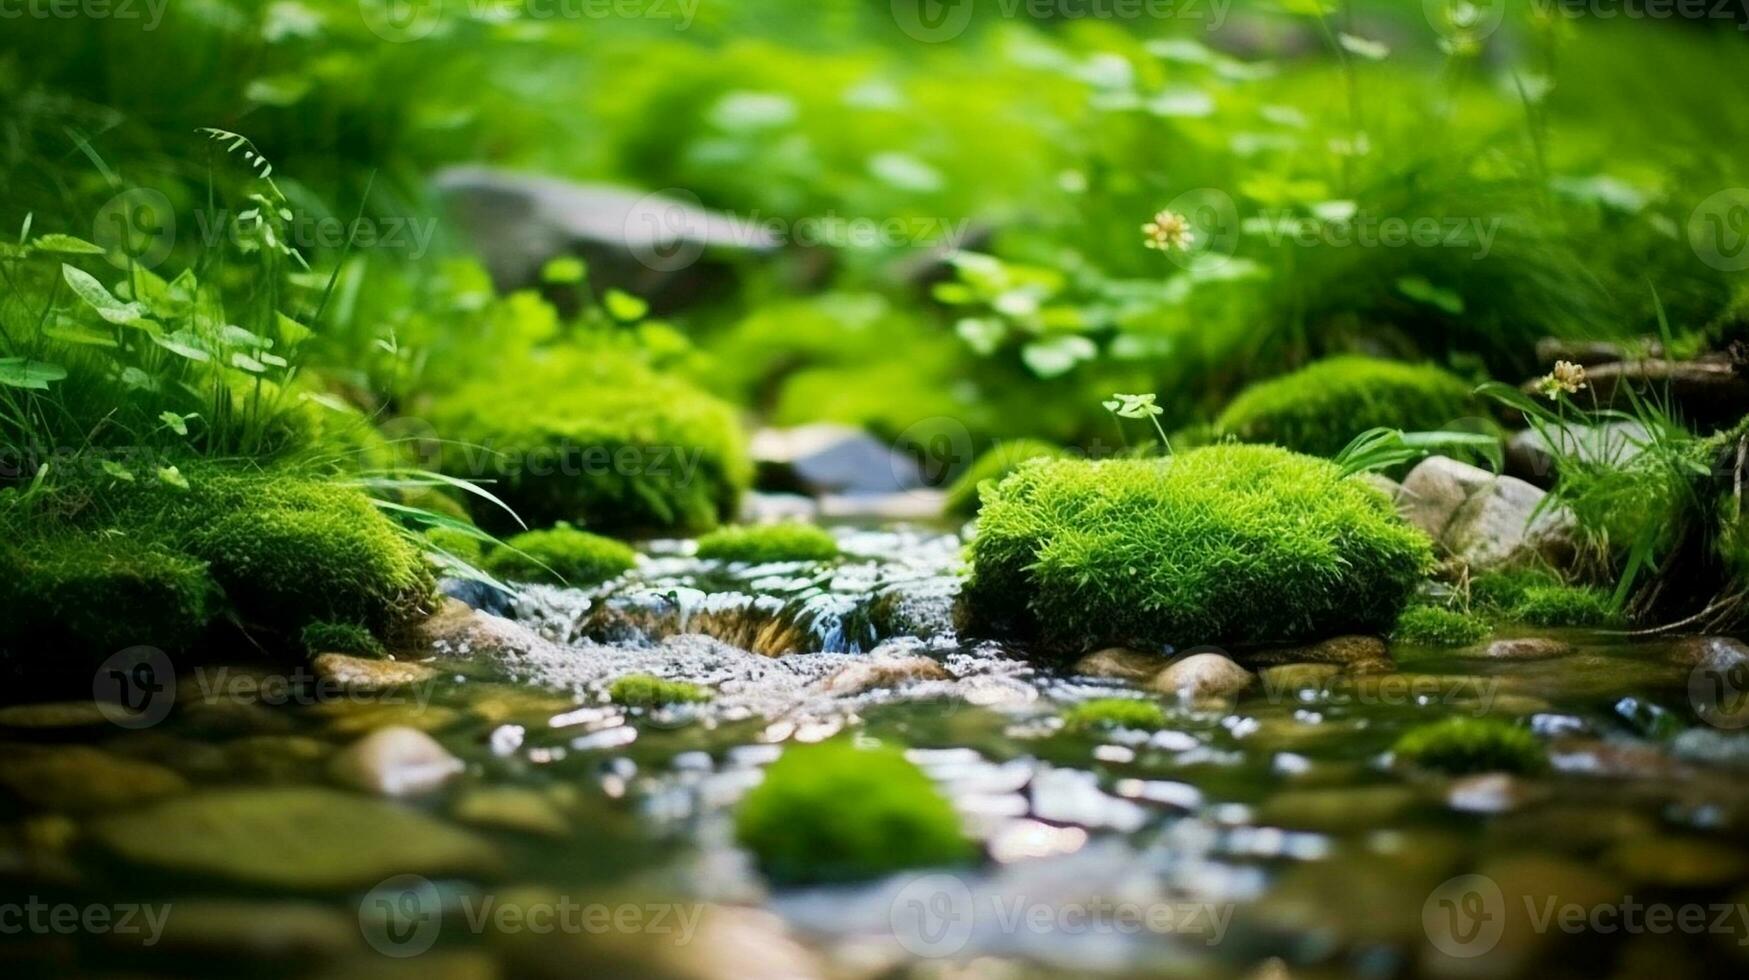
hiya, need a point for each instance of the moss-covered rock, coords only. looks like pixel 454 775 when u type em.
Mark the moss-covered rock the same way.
pixel 1563 605
pixel 100 593
pixel 1229 544
pixel 596 437
pixel 835 812
pixel 646 691
pixel 996 462
pixel 1470 745
pixel 1102 713
pixel 560 555
pixel 768 542
pixel 1439 626
pixel 1321 407
pixel 329 637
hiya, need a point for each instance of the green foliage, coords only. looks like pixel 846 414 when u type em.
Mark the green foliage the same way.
pixel 463 546
pixel 327 637
pixel 589 433
pixel 1499 591
pixel 560 555
pixel 1563 605
pixel 768 542
pixel 67 594
pixel 1226 544
pixel 1439 626
pixel 832 812
pixel 1101 713
pixel 1460 746
pixel 1321 407
pixel 997 462
pixel 645 691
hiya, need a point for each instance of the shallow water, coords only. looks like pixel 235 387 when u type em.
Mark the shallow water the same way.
pixel 1270 835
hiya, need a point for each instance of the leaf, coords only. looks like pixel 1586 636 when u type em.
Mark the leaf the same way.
pixel 1057 356
pixel 243 362
pixel 1422 291
pixel 116 470
pixel 179 343
pixel 78 335
pixel 982 334
pixel 175 423
pixel 1368 49
pixel 22 372
pixel 291 332
pixel 65 245
pixel 87 288
pixel 566 270
pixel 172 476
pixel 1188 103
pixel 623 306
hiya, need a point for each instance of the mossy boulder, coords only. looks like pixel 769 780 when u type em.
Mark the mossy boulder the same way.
pixel 1439 626
pixel 1229 544
pixel 1461 746
pixel 101 593
pixel 596 437
pixel 835 812
pixel 1321 407
pixel 996 462
pixel 768 543
pixel 560 555
pixel 1563 605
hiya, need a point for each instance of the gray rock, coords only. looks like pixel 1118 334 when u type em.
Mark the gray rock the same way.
pixel 456 630
pixel 776 508
pixel 1119 663
pixel 1532 455
pixel 395 761
pixel 358 675
pixel 880 672
pixel 662 247
pixel 1526 648
pixel 1201 675
pixel 1489 522
pixel 828 459
pixel 478 595
pixel 1714 652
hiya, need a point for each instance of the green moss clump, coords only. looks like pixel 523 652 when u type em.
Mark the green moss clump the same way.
pixel 1102 713
pixel 1321 407
pixel 769 542
pixel 1460 746
pixel 594 435
pixel 100 593
pixel 645 691
pixel 1229 544
pixel 1438 626
pixel 319 638
pixel 835 812
pixel 560 555
pixel 997 462
pixel 1563 605
pixel 1502 590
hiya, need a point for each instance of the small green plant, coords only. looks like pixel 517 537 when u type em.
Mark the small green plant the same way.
pixel 1320 408
pixel 1460 746
pixel 646 691
pixel 1563 605
pixel 996 462
pixel 1439 626
pixel 833 812
pixel 560 555
pixel 757 544
pixel 329 637
pixel 1102 713
pixel 1140 407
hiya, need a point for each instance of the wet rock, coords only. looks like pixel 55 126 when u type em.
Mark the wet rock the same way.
pixel 827 459
pixel 1517 889
pixel 1356 654
pixel 359 675
pixel 54 714
pixel 666 249
pixel 350 716
pixel 758 507
pixel 242 929
pixel 1713 747
pixel 476 594
pixel 1488 522
pixel 762 624
pixel 1718 653
pixel 1202 675
pixel 1525 648
pixel 1571 827
pixel 1531 454
pixel 302 838
pixel 1120 664
pixel 923 504
pixel 190 757
pixel 922 609
pixel 1613 759
pixel 1291 679
pixel 456 630
pixel 395 762
pixel 1492 792
pixel 277 758
pixel 1071 796
pixel 881 672
pixel 1335 810
pixel 511 808
pixel 1678 862
pixel 78 778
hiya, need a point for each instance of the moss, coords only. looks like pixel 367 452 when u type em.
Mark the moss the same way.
pixel 1102 713
pixel 1502 590
pixel 769 542
pixel 560 555
pixel 597 437
pixel 1438 626
pixel 1469 745
pixel 645 691
pixel 835 812
pixel 1321 407
pixel 1228 544
pixel 1563 605
pixel 70 592
pixel 997 462
pixel 350 638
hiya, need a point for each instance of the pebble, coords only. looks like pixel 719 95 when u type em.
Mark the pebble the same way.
pixel 395 761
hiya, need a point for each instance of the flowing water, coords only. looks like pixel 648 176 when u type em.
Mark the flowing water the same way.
pixel 1271 835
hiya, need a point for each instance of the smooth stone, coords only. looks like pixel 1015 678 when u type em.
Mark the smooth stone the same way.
pixel 1337 809
pixel 203 759
pixel 1119 664
pixel 921 609
pixel 54 714
pixel 79 778
pixel 1201 675
pixel 1713 747
pixel 511 808
pixel 1531 454
pixel 1573 827
pixel 499 705
pixel 1614 759
pixel 1677 862
pixel 1492 792
pixel 395 761
pixel 884 672
pixel 476 594
pixel 304 838
pixel 1714 652
pixel 1488 522
pixel 459 631
pixel 775 508
pixel 1072 796
pixel 277 758
pixel 275 930
pixel 1294 678
pixel 350 717
pixel 1525 648
pixel 1357 654
pixel 361 675
pixel 829 459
